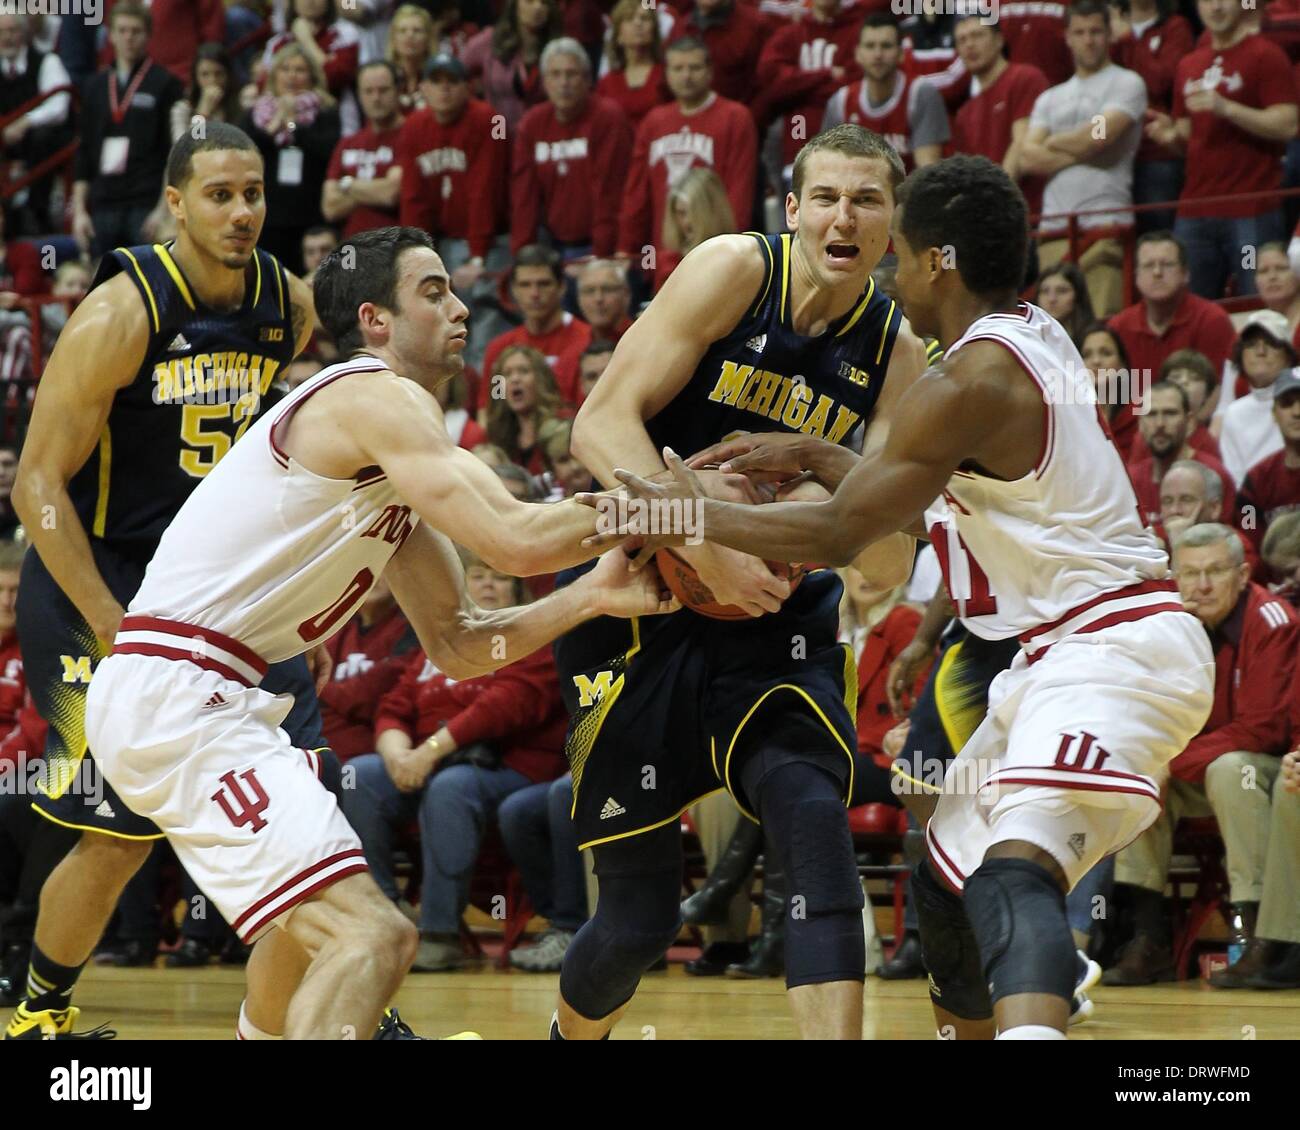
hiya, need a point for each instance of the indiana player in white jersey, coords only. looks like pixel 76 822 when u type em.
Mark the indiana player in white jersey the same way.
pixel 351 475
pixel 1045 543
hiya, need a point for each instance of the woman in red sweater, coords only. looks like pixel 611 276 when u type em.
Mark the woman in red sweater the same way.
pixel 450 751
pixel 635 79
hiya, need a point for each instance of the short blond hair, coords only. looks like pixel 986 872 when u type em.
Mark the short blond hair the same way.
pixel 852 141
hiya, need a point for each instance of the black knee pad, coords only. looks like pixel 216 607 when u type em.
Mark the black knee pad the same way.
pixel 1017 911
pixel 806 829
pixel 949 948
pixel 637 918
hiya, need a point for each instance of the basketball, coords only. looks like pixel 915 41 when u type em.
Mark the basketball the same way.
pixel 685 584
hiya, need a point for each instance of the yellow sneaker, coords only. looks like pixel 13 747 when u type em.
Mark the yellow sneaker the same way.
pixel 51 1024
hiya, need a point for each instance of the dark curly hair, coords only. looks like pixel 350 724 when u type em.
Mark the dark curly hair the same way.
pixel 970 205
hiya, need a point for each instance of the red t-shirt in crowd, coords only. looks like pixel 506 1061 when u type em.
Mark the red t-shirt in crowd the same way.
pixel 635 101
pixel 1155 55
pixel 20 269
pixel 22 729
pixel 454 176
pixel 1147 487
pixel 367 154
pixel 1035 34
pixel 1270 489
pixel 879 650
pixel 719 135
pixel 795 76
pixel 1222 159
pixel 562 347
pixel 734 48
pixel 1198 324
pixel 570 175
pixel 367 662
pixel 983 125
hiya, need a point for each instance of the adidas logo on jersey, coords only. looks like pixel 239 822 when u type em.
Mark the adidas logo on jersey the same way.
pixel 105 810
pixel 179 344
pixel 757 344
pixel 612 808
pixel 215 701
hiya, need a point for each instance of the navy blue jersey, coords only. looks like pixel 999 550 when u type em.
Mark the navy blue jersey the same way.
pixel 763 376
pixel 205 378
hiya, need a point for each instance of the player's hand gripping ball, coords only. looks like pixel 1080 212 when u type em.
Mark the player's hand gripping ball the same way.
pixel 685 584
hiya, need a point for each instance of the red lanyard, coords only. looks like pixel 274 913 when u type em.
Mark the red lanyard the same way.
pixel 119 112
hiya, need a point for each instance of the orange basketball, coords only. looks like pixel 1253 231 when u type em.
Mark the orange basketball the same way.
pixel 685 584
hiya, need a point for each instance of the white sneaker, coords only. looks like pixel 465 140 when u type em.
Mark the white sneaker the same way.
pixel 1081 1006
pixel 546 955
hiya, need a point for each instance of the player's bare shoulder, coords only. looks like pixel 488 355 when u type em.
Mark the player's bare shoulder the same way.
pixel 110 325
pixel 715 284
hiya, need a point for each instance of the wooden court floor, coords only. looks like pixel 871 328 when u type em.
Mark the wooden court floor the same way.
pixel 189 1004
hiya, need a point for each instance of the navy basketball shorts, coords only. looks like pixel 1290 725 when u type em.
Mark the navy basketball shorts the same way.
pixel 950 708
pixel 60 654
pixel 661 707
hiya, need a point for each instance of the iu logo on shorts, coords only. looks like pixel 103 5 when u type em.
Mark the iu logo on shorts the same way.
pixel 1080 752
pixel 245 809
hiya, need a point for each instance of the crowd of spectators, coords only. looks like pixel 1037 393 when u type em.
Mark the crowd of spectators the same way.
pixel 566 155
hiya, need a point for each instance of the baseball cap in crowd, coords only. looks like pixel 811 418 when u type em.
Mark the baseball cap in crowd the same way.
pixel 1289 381
pixel 445 65
pixel 1271 325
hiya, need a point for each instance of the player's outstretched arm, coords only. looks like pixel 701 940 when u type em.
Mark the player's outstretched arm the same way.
pixel 978 406
pixel 702 301
pixel 398 425
pixel 99 352
pixel 464 640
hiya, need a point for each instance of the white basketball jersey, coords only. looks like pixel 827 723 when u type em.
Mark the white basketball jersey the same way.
pixel 268 554
pixel 1022 555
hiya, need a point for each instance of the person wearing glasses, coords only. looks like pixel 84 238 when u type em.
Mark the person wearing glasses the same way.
pixel 1254 635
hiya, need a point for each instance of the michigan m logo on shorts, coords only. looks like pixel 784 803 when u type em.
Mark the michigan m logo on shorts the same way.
pixel 76 668
pixel 591 691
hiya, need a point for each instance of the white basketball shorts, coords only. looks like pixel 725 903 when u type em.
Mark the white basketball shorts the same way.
pixel 203 756
pixel 1072 755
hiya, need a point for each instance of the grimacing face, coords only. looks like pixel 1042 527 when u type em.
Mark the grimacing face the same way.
pixel 842 216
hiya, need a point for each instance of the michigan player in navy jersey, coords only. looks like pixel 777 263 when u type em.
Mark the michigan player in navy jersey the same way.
pixel 752 332
pixel 159 371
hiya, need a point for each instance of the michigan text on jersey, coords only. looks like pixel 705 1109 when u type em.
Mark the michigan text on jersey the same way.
pixel 786 400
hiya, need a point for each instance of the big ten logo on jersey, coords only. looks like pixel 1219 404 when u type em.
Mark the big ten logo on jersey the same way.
pixel 819 55
pixel 393 525
pixel 787 400
pixel 591 691
pixel 76 668
pixel 857 376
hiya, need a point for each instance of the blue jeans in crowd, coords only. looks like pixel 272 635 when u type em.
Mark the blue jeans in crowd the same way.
pixel 1220 247
pixel 537 826
pixel 453 808
pixel 1156 182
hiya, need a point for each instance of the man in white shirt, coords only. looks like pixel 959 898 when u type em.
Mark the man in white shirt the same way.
pixel 1083 136
pixel 1263 353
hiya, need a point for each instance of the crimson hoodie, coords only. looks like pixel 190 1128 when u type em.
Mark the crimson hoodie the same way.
pixel 22 729
pixel 367 662
pixel 1254 666
pixel 454 177
pixel 570 175
pixel 794 75
pixel 517 708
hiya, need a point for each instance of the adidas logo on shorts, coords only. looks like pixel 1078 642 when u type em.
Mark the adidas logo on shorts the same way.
pixel 612 808
pixel 215 701
pixel 1076 843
